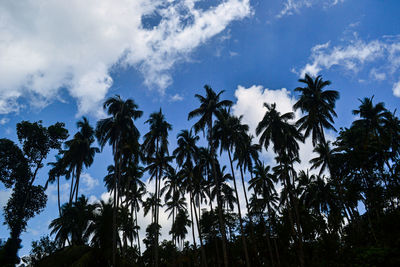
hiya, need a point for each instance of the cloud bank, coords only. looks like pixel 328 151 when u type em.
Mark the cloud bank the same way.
pixel 48 46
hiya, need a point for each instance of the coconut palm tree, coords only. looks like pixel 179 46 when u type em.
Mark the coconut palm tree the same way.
pixel 73 222
pixel 228 131
pixel 265 196
pixel 318 105
pixel 246 154
pixel 155 146
pixel 58 169
pixel 79 153
pixel 323 160
pixel 277 129
pixel 116 130
pixel 209 104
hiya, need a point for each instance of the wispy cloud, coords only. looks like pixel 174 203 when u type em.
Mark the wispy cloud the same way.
pixel 291 7
pixel 48 45
pixel 355 54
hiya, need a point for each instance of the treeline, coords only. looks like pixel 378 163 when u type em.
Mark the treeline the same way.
pixel 344 211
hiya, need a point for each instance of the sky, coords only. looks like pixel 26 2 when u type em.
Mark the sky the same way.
pixel 59 60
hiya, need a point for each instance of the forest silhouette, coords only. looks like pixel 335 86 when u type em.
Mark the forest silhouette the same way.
pixel 343 211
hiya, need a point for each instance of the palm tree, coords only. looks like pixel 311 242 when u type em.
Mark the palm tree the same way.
pixel 73 222
pixel 209 104
pixel 323 160
pixel 116 130
pixel 179 225
pixel 187 152
pixel 156 147
pixel 58 169
pixel 275 128
pixel 263 184
pixel 246 154
pixel 79 153
pixel 228 131
pixel 372 117
pixel 318 106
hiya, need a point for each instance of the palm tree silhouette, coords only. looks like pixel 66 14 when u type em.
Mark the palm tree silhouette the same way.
pixel 79 153
pixel 228 132
pixel 208 108
pixel 116 130
pixel 318 106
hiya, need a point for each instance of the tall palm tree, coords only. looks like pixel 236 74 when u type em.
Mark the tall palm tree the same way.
pixel 277 129
pixel 58 169
pixel 228 132
pixel 116 130
pixel 79 153
pixel 156 148
pixel 187 152
pixel 263 184
pixel 318 105
pixel 209 104
pixel 246 154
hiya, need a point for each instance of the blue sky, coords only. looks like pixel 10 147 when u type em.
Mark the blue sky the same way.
pixel 59 61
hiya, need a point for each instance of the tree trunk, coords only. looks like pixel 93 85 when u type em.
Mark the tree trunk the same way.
pixel 78 175
pixel 58 195
pixel 191 217
pixel 203 252
pixel 220 216
pixel 246 254
pixel 156 214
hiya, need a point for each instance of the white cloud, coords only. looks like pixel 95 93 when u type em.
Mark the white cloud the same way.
pixel 4 121
pixel 175 98
pixel 88 182
pixel 380 56
pixel 396 89
pixel 379 76
pixel 47 46
pixel 291 7
pixel 250 102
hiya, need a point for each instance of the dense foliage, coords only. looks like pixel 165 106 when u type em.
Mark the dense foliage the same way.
pixel 343 211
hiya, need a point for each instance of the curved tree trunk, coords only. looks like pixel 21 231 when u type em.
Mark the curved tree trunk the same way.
pixel 203 252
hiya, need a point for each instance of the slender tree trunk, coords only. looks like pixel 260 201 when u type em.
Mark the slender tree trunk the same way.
pixel 267 232
pixel 220 216
pixel 156 214
pixel 137 231
pixel 244 188
pixel 117 176
pixel 191 217
pixel 72 187
pixel 297 235
pixel 246 254
pixel 203 252
pixel 58 195
pixel 78 176
pixel 251 224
